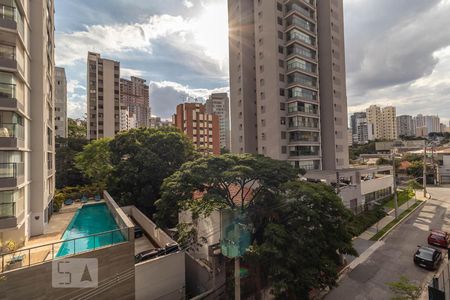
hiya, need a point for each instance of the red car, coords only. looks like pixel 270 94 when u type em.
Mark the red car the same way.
pixel 439 238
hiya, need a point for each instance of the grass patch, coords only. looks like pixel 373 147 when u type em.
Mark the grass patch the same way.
pixel 359 223
pixel 402 198
pixel 380 233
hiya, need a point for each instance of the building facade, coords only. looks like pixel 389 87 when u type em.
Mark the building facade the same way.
pixel 127 121
pixel 219 104
pixel 103 103
pixel 281 105
pixel 425 125
pixel 61 125
pixel 362 129
pixel 405 125
pixel 134 95
pixel 201 127
pixel 384 121
pixel 27 125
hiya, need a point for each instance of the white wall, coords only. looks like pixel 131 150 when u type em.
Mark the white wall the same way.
pixel 377 184
pixel 162 278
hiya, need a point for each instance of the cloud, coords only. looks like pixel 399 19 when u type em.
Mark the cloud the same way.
pixel 188 3
pixel 166 95
pixel 127 72
pixel 397 53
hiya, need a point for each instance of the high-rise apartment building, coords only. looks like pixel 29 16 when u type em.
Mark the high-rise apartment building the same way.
pixel 134 95
pixel 219 104
pixel 61 125
pixel 26 118
pixel 425 125
pixel 362 129
pixel 103 103
pixel 201 127
pixel 287 81
pixel 156 122
pixel 405 126
pixel 384 121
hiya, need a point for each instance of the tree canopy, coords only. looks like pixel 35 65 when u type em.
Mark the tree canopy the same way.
pixel 67 174
pixel 225 181
pixel 142 159
pixel 95 161
pixel 76 128
pixel 302 240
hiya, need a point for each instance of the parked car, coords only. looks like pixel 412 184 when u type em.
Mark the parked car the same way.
pixel 138 232
pixel 439 238
pixel 147 255
pixel 427 257
pixel 171 248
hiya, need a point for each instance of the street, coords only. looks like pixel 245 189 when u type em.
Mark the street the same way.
pixel 394 257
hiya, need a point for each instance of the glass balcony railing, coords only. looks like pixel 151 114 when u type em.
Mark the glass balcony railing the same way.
pixel 7 12
pixel 11 170
pixel 301 10
pixel 7 52
pixel 301 23
pixel 12 130
pixel 7 210
pixel 7 90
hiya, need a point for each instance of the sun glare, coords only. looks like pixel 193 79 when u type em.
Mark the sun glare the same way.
pixel 211 32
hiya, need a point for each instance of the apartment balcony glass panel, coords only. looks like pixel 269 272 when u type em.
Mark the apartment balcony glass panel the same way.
pixel 296 151
pixel 302 51
pixel 295 34
pixel 11 14
pixel 7 52
pixel 306 108
pixel 302 93
pixel 302 79
pixel 300 64
pixel 304 137
pixel 303 10
pixel 303 122
pixel 7 12
pixel 7 210
pixel 294 20
pixel 307 164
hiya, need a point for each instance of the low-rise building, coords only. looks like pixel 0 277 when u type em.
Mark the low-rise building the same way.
pixel 359 188
pixel 444 170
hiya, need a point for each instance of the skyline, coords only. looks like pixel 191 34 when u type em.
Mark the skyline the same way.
pixel 177 58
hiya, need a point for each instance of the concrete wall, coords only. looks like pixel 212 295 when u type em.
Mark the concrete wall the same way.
pixel 120 217
pixel 157 235
pixel 377 184
pixel 116 278
pixel 162 278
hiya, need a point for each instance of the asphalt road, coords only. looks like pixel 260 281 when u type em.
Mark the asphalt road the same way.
pixel 395 257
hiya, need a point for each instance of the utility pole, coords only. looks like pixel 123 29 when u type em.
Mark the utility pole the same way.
pixel 395 184
pixel 424 179
pixel 237 279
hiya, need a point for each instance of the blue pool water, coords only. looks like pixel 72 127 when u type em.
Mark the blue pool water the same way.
pixel 89 220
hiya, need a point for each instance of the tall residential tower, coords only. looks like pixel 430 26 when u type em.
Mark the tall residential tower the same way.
pixel 61 125
pixel 287 81
pixel 219 104
pixel 103 80
pixel 27 141
pixel 134 95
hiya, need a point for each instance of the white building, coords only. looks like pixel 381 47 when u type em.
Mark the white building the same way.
pixel 61 124
pixel 219 104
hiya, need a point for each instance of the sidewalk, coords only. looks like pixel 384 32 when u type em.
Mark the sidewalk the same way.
pixel 371 231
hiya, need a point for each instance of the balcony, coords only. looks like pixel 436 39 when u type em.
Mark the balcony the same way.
pixel 295 111
pixel 10 18
pixel 8 57
pixel 300 23
pixel 12 135
pixel 9 217
pixel 297 50
pixel 8 98
pixel 302 10
pixel 11 175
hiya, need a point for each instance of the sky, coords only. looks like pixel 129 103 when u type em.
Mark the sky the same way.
pixel 397 52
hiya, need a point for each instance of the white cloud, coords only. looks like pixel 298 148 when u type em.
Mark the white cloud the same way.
pixel 127 72
pixel 188 3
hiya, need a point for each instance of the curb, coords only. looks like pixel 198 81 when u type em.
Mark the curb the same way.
pixel 401 221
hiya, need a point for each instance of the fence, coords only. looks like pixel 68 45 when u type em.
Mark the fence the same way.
pixel 38 254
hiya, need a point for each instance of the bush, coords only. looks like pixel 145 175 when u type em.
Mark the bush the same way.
pixel 75 192
pixel 359 223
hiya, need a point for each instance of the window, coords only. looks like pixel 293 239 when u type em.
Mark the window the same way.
pixel 280 21
pixel 282 93
pixel 283 149
pixel 280 35
pixel 281 63
pixel 280 49
pixel 281 77
pixel 279 6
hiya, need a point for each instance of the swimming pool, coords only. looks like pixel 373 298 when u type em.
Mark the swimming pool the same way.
pixel 92 219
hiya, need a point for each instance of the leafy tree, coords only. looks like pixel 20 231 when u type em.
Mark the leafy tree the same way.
pixel 416 169
pixel 142 159
pixel 225 182
pixel 404 289
pixel 67 174
pixel 300 249
pixel 77 130
pixel 95 161
pixel 357 150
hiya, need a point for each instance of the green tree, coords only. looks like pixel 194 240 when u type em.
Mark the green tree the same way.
pixel 404 289
pixel 67 174
pixel 416 169
pixel 142 159
pixel 95 161
pixel 225 182
pixel 302 240
pixel 77 128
